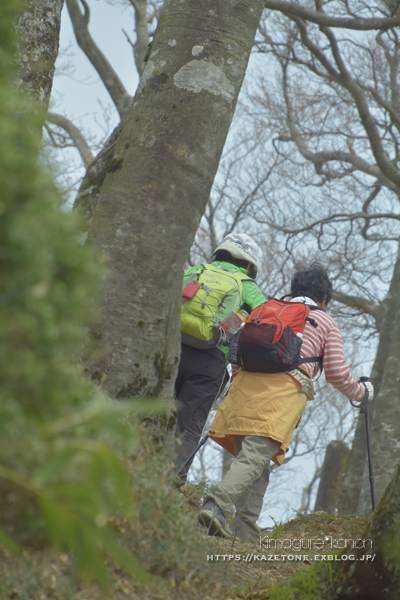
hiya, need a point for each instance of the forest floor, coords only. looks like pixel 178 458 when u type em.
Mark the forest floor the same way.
pixel 230 570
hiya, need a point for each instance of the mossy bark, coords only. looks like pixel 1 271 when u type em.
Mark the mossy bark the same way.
pixel 39 29
pixel 336 455
pixel 384 413
pixel 149 193
pixel 378 578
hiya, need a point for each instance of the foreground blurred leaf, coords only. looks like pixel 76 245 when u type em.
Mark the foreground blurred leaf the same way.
pixel 9 543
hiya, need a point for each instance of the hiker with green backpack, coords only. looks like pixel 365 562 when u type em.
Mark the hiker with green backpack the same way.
pixel 282 346
pixel 216 299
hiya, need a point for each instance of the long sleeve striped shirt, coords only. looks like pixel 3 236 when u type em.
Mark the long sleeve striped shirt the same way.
pixel 326 341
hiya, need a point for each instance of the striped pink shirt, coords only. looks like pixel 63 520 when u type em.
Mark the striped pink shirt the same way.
pixel 326 341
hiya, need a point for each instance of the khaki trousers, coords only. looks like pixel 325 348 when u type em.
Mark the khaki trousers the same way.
pixel 242 490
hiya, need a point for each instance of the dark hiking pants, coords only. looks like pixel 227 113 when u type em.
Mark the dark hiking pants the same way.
pixel 202 375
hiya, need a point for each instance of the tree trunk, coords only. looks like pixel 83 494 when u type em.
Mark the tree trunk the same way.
pixel 380 578
pixel 384 411
pixel 39 28
pixel 336 454
pixel 385 426
pixel 155 186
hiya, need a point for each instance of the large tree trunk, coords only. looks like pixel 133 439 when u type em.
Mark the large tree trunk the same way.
pixel 380 578
pixel 155 184
pixel 39 28
pixel 385 427
pixel 336 455
pixel 384 410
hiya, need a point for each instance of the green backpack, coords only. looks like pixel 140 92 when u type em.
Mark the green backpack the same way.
pixel 208 297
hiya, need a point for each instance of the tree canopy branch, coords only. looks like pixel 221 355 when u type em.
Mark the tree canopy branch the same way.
pixel 319 18
pixel 142 35
pixel 344 79
pixel 112 82
pixel 357 302
pixel 366 117
pixel 75 135
pixel 335 218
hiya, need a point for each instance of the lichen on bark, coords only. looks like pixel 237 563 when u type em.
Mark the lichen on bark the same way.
pixel 39 30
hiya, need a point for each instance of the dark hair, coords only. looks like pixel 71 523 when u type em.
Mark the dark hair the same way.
pixel 314 283
pixel 225 256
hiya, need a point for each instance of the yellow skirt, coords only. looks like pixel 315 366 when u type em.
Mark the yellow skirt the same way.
pixel 268 405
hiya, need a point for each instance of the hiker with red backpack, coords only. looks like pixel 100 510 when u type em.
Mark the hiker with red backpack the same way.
pixel 280 349
pixel 216 297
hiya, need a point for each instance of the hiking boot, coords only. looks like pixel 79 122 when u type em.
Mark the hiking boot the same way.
pixel 212 518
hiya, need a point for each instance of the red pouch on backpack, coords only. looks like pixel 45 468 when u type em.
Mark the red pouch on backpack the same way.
pixel 190 290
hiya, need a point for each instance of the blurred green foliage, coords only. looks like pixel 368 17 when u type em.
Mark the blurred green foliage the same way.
pixel 77 470
pixel 62 442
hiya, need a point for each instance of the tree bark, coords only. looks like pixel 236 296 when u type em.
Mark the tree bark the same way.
pixel 385 425
pixel 384 412
pixel 335 456
pixel 155 185
pixel 380 578
pixel 140 47
pixel 39 30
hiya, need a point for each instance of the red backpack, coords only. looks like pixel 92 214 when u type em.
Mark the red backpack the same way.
pixel 270 341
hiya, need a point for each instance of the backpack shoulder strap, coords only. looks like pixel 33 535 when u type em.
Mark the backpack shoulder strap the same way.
pixel 200 270
pixel 313 359
pixel 242 276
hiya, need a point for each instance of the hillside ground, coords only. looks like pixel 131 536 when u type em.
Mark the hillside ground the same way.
pixel 223 569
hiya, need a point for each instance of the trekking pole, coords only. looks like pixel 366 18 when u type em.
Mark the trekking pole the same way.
pixel 364 409
pixel 189 458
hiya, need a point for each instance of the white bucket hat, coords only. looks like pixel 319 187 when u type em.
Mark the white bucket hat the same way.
pixel 240 245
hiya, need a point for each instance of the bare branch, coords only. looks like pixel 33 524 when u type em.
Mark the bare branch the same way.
pixel 319 18
pixel 321 158
pixel 142 20
pixel 248 199
pixel 385 104
pixel 335 218
pixel 343 78
pixel 366 117
pixel 113 84
pixel 357 302
pixel 75 135
pixel 142 35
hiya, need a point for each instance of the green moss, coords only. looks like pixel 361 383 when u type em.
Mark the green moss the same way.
pixel 114 164
pixel 163 370
pixel 307 585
